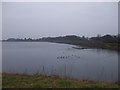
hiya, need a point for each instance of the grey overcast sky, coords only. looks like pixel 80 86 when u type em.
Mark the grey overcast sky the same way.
pixel 35 20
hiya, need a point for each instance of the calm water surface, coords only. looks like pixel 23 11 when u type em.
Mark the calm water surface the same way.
pixel 60 59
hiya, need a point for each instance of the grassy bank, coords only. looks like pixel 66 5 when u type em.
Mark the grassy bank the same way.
pixel 42 81
pixel 96 45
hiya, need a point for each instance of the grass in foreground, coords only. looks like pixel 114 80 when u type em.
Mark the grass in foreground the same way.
pixel 42 81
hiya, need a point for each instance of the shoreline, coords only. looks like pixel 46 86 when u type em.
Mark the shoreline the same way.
pixel 105 46
pixel 55 81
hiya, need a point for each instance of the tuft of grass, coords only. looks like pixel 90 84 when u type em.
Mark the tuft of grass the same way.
pixel 42 81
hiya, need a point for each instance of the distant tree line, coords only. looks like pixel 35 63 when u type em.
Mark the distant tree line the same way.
pixel 104 42
pixel 73 38
pixel 107 38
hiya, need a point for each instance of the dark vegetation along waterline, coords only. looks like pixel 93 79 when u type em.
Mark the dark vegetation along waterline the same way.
pixel 111 42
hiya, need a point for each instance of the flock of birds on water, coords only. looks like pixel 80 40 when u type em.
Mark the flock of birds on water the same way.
pixel 63 57
pixel 68 57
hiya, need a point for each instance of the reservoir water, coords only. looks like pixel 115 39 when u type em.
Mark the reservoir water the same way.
pixel 60 59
